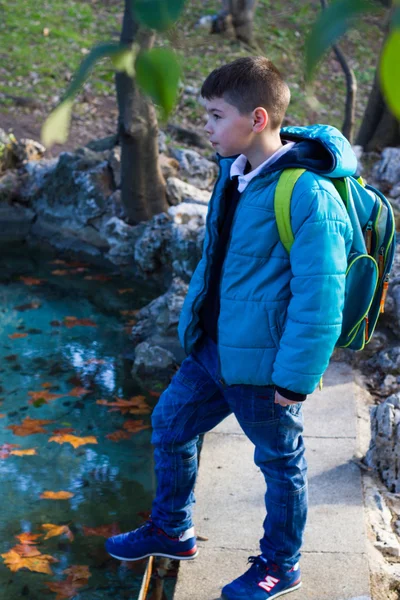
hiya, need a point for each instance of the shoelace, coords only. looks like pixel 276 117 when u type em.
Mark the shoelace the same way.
pixel 262 564
pixel 146 530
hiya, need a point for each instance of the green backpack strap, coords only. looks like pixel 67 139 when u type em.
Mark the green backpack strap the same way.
pixel 282 198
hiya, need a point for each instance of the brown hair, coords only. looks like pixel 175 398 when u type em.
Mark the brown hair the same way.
pixel 247 83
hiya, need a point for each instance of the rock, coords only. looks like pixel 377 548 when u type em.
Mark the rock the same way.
pixel 188 136
pixel 384 451
pixel 388 168
pixel 15 223
pixel 162 142
pixel 152 247
pixel 198 171
pixel 395 191
pixel 151 360
pixel 380 518
pixel 169 166
pixel 121 239
pixel 103 144
pixel 160 317
pixel 186 243
pixel 178 191
pixel 10 185
pixel 15 153
pixel 157 322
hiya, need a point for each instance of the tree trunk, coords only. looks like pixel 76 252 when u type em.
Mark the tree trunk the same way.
pixel 143 192
pixel 241 13
pixel 379 127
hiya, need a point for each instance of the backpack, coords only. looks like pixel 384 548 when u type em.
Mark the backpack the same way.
pixel 370 258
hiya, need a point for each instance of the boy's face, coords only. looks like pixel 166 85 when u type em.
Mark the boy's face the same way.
pixel 229 131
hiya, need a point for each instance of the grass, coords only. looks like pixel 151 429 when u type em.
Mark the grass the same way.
pixel 43 42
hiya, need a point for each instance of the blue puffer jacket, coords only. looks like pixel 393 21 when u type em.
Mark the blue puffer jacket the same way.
pixel 280 316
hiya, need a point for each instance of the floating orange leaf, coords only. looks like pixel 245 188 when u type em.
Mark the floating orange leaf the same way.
pixel 155 394
pixel 77 392
pixel 16 336
pixel 31 280
pixel 64 589
pixel 118 435
pixel 29 426
pixel 2 415
pixel 130 313
pixel 99 277
pixel 56 495
pixel 74 322
pixel 44 396
pixel 40 563
pixel 28 306
pixel 5 449
pixel 54 530
pixel 60 272
pixel 103 530
pixel 27 537
pixel 135 405
pixel 79 572
pixel 27 452
pixel 57 261
pixel 125 290
pixel 48 384
pixel 63 431
pixel 73 439
pixel 135 426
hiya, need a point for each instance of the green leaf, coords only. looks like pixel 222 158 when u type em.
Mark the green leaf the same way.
pixel 390 71
pixel 112 50
pixel 157 14
pixel 332 23
pixel 157 73
pixel 125 61
pixel 55 128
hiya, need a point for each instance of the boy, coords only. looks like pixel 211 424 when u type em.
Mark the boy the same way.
pixel 258 325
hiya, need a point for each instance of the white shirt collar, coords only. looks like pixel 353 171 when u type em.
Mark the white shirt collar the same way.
pixel 238 166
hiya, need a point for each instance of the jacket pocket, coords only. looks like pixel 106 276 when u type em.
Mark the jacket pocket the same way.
pixel 274 327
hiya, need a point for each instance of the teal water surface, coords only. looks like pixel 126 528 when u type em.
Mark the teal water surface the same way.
pixel 63 334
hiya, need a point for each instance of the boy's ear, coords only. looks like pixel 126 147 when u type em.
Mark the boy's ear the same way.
pixel 260 119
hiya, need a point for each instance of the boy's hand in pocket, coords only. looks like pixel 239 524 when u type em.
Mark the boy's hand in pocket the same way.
pixel 282 400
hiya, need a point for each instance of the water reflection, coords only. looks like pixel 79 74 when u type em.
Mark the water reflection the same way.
pixel 63 346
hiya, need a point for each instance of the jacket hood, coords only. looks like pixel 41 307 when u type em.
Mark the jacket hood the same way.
pixel 319 148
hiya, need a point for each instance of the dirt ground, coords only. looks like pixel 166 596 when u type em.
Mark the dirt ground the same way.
pixel 94 119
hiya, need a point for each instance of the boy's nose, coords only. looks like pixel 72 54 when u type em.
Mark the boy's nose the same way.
pixel 207 128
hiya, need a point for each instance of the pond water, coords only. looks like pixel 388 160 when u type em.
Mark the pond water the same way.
pixel 65 356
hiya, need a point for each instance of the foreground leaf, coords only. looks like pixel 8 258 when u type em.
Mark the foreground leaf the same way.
pixel 331 24
pixel 157 14
pixel 158 73
pixel 390 70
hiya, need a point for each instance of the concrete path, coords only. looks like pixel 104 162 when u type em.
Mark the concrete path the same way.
pixel 230 504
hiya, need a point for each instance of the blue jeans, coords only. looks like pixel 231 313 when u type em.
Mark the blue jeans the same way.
pixel 196 401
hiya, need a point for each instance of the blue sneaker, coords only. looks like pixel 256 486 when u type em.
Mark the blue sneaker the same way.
pixel 149 540
pixel 263 581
